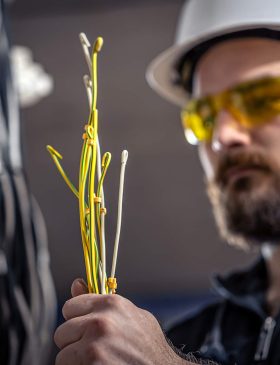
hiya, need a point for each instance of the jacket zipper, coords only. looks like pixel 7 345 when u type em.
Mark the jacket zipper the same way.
pixel 265 338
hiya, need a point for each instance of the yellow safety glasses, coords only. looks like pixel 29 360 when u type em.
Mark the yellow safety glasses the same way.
pixel 251 103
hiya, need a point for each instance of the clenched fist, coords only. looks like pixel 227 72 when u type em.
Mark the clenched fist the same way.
pixel 110 330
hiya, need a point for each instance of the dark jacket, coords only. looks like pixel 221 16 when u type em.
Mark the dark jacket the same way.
pixel 235 328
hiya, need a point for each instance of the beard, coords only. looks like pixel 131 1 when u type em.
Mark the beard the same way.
pixel 246 206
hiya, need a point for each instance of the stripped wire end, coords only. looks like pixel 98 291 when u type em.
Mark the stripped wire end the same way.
pixel 84 40
pixel 98 45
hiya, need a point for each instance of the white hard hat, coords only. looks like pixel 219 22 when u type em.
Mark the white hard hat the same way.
pixel 203 21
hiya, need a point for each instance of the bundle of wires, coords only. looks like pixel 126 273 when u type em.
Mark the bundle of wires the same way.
pixel 90 193
pixel 27 297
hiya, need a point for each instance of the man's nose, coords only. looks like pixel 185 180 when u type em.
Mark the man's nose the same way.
pixel 229 133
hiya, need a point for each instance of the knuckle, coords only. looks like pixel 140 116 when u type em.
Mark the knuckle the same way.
pixel 113 301
pixel 98 327
pixel 110 301
pixel 93 352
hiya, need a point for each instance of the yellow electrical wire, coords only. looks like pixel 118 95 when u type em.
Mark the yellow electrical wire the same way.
pixel 56 156
pixel 90 186
pixel 88 207
pixel 105 164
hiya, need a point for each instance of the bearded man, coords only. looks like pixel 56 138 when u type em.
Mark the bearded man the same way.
pixel 225 72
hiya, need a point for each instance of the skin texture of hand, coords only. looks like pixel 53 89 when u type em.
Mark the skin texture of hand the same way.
pixel 110 330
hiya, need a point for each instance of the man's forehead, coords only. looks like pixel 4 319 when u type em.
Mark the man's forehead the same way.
pixel 235 61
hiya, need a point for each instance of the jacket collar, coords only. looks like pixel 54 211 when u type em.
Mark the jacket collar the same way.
pixel 245 288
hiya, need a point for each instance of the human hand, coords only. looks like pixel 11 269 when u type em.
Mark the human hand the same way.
pixel 108 330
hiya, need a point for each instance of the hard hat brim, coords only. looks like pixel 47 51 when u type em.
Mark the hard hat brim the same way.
pixel 162 73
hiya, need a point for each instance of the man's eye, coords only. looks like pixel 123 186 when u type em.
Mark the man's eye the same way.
pixel 237 99
pixel 205 110
pixel 208 122
pixel 257 103
pixel 261 103
pixel 275 104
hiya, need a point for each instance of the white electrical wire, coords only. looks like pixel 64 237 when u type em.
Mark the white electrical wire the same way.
pixel 86 45
pixel 88 86
pixel 103 254
pixel 124 158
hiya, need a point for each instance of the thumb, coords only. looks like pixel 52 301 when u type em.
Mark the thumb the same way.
pixel 78 287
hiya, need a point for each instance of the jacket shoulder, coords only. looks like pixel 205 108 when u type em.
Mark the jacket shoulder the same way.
pixel 192 327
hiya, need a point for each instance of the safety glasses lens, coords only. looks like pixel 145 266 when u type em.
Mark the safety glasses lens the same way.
pixel 252 103
pixel 198 120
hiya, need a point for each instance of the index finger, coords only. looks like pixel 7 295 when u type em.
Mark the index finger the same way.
pixel 87 303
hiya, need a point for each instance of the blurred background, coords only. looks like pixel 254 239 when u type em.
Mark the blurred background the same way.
pixel 169 245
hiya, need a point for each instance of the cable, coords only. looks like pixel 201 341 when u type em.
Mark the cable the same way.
pixel 90 191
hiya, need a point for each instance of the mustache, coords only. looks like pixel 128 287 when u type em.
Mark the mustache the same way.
pixel 241 160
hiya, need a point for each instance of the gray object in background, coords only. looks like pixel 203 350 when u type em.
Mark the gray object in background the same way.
pixel 27 297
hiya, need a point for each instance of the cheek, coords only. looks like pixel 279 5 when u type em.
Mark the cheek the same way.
pixel 268 136
pixel 207 159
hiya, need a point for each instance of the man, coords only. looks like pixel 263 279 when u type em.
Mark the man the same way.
pixel 225 72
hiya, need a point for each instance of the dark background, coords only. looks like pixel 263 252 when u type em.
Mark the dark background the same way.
pixel 169 246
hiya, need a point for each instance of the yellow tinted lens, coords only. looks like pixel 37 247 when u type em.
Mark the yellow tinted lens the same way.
pixel 251 103
pixel 198 118
pixel 256 102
